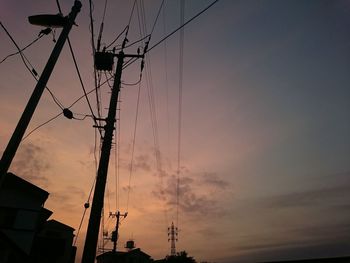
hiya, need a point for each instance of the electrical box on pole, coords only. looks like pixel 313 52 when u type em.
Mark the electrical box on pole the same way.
pixel 104 60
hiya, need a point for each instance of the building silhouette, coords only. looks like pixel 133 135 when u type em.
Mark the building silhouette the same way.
pixel 26 234
pixel 131 256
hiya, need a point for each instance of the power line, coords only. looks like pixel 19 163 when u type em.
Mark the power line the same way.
pixel 166 79
pixel 32 71
pixel 81 83
pixel 86 206
pixel 116 164
pixel 155 21
pixel 133 145
pixel 21 50
pixel 104 11
pixel 181 44
pixel 51 119
pixel 93 52
pixel 183 25
pixel 41 125
pixel 173 32
pixel 150 90
pixel 121 33
pixel 132 12
pixel 135 42
pixel 133 84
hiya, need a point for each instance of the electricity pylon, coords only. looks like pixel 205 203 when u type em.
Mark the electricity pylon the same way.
pixel 172 237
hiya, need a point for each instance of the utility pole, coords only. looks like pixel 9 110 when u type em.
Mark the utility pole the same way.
pixel 89 252
pixel 172 233
pixel 115 233
pixel 28 112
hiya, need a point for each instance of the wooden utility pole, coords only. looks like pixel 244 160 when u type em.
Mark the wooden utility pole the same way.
pixel 28 112
pixel 91 240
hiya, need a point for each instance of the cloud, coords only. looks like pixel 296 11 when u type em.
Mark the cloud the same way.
pixel 70 198
pixel 293 225
pixel 275 251
pixel 142 162
pixel 214 180
pixel 193 194
pixel 31 163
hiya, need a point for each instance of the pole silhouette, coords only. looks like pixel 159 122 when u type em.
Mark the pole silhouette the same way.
pixel 91 240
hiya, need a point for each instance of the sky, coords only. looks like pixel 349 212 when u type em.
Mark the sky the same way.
pixel 265 149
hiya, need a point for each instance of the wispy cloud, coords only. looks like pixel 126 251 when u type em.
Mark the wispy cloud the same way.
pixel 71 198
pixel 214 180
pixel 273 251
pixel 321 196
pixel 296 224
pixel 194 197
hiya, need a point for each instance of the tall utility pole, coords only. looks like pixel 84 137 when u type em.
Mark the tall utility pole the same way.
pixel 115 233
pixel 28 112
pixel 89 252
pixel 172 234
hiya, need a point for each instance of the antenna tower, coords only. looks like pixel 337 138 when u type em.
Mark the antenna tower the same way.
pixel 172 237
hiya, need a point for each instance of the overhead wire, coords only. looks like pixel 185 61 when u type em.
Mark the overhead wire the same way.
pixel 131 14
pixel 183 25
pixel 143 30
pixel 126 65
pixel 150 87
pixel 117 160
pixel 120 34
pixel 133 145
pixel 41 125
pixel 137 107
pixel 82 83
pixel 98 106
pixel 133 84
pixel 155 21
pixel 32 71
pixel 167 115
pixel 135 42
pixel 174 31
pixel 151 94
pixel 53 118
pixel 21 50
pixel 181 55
pixel 166 78
pixel 86 206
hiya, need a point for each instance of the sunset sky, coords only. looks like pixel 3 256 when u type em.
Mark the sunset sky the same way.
pixel 265 146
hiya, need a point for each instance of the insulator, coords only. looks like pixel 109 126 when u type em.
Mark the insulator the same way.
pixel 68 113
pixel 45 31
